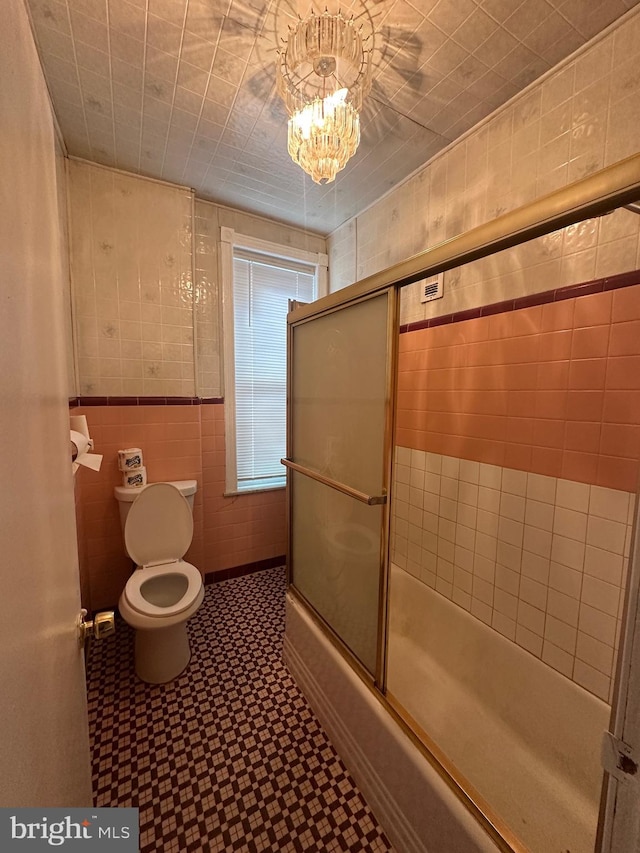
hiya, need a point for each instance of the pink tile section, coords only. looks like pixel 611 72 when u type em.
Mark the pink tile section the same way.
pixel 178 443
pixel 241 529
pixel 554 389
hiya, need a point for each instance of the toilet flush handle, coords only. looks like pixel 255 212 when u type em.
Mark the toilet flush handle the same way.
pixel 100 626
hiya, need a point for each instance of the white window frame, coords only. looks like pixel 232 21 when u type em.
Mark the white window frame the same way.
pixel 229 241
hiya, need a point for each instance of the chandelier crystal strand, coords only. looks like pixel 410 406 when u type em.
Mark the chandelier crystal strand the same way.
pixel 323 75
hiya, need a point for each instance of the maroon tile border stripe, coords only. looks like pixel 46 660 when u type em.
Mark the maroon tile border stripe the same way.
pixel 625 279
pixel 145 401
pixel 247 569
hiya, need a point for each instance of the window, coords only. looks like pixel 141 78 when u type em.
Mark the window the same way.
pixel 259 279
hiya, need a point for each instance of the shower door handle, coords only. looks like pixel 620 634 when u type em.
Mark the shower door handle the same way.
pixel 371 500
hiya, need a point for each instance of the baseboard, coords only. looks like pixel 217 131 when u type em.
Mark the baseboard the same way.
pixel 247 569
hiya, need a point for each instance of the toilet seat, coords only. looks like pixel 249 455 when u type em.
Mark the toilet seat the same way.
pixel 157 534
pixel 138 601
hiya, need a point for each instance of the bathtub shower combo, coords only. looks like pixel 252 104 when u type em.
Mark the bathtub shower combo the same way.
pixel 461 520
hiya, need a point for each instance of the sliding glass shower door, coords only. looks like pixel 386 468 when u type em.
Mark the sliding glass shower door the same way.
pixel 341 368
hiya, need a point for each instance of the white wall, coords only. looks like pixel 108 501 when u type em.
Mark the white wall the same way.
pixel 135 306
pixel 579 118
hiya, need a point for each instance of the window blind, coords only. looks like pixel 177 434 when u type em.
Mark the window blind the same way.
pixel 262 288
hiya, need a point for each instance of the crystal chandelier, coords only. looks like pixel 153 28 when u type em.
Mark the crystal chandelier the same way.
pixel 323 75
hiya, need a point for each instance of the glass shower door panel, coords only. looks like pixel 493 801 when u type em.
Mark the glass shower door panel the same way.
pixel 339 415
pixel 336 560
pixel 339 384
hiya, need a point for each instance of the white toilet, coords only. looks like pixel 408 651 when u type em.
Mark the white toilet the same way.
pixel 164 591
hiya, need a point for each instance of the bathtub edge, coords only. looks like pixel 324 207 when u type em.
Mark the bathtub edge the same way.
pixel 417 810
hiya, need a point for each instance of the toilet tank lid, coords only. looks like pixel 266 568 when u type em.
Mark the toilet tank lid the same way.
pixel 186 487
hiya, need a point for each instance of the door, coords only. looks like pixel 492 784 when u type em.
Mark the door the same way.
pixel 341 368
pixel 44 744
pixel 619 828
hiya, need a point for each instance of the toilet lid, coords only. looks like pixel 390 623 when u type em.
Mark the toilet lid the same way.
pixel 159 526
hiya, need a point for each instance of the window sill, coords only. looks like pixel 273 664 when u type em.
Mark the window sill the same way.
pixel 232 494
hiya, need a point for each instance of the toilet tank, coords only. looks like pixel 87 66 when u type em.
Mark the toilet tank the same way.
pixel 126 497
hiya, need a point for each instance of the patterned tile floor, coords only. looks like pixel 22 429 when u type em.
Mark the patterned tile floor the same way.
pixel 229 757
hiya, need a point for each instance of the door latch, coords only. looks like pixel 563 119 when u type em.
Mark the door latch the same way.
pixel 100 626
pixel 619 759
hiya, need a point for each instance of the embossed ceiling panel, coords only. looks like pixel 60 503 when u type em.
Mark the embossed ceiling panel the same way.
pixel 184 90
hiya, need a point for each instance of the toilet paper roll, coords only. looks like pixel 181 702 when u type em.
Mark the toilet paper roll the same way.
pixel 79 424
pixel 135 479
pixel 129 458
pixel 81 442
pixel 82 457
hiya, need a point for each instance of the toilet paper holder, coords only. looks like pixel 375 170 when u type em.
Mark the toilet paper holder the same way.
pixel 81 445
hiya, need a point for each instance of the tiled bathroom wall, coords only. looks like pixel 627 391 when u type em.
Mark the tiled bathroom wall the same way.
pixel 540 559
pixel 552 388
pixel 572 122
pixel 517 465
pixel 145 333
pixel 179 442
pixel 208 325
pixel 146 298
pixel 132 284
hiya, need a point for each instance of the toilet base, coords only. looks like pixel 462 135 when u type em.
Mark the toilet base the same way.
pixel 161 654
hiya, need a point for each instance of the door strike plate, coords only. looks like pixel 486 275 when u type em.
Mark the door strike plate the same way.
pixel 619 759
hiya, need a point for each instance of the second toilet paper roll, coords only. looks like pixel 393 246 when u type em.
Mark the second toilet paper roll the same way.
pixel 135 479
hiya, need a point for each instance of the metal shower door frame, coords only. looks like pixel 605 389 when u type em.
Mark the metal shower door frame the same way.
pixel 383 499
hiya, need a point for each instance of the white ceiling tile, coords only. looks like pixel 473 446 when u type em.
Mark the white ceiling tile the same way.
pixel 158 110
pixel 61 69
pixel 203 21
pixel 448 57
pixel 552 29
pixel 163 35
pixel 50 14
pixel 152 126
pixel 187 101
pixel 93 8
pixel 197 51
pixel 95 85
pixel 475 30
pixel 126 48
pixel 182 124
pixel 122 73
pixel 161 90
pixel 228 66
pixel 449 14
pixel 92 59
pixel 89 30
pixel 500 10
pixel 221 91
pixel 55 42
pixel 65 91
pixel 171 10
pixel 558 50
pixel 526 17
pixel 128 19
pixel 193 78
pixel 161 64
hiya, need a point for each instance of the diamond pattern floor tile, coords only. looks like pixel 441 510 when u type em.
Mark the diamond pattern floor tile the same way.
pixel 228 757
